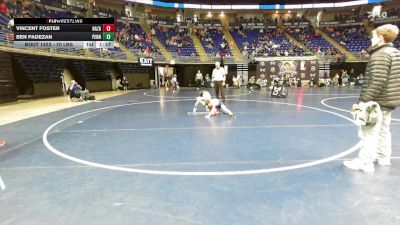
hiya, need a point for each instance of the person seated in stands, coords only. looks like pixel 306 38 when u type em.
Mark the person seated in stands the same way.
pixel 346 80
pixel 275 80
pixel 262 82
pixel 292 82
pixel 335 80
pixel 311 83
pixel 124 83
pixel 119 85
pixel 174 83
pixel 235 82
pixel 74 90
pixel 85 95
pixel 105 52
pixel 207 81
pixel 3 8
pixel 360 79
pixel 240 80
pixel 77 92
pixel 167 84
pixel 252 83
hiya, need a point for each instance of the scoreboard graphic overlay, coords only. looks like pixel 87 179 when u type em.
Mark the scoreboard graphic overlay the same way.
pixel 64 33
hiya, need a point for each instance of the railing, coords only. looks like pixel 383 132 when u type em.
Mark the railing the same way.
pixel 332 58
pixel 187 59
pixel 359 57
pixel 5 39
pixel 138 53
pixel 98 53
pixel 210 59
pixel 159 58
pixel 325 58
pixel 4 20
pixel 69 51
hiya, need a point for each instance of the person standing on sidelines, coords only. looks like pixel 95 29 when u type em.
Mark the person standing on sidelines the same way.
pixel 199 79
pixel 175 84
pixel 218 77
pixel 381 85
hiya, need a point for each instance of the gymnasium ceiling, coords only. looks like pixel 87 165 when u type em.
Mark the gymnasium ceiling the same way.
pixel 256 2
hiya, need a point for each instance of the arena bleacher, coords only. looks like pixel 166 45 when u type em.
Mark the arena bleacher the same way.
pixel 214 112
pixel 88 71
pixel 354 38
pixel 312 40
pixel 176 40
pixel 265 42
pixel 40 69
pixel 136 39
pixel 153 35
pixel 214 41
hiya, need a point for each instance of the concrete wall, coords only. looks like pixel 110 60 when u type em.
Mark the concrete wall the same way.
pixel 47 89
pixel 99 85
pixel 138 80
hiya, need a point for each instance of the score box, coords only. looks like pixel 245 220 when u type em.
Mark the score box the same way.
pixel 104 44
pixel 108 36
pixel 108 27
pixel 89 44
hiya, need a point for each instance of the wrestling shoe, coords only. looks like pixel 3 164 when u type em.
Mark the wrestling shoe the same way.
pixel 383 162
pixel 232 117
pixel 357 164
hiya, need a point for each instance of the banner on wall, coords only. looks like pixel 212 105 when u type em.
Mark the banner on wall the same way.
pixel 337 23
pixel 167 23
pixel 253 25
pixel 288 69
pixel 130 19
pixel 295 24
pixel 386 19
pixel 208 24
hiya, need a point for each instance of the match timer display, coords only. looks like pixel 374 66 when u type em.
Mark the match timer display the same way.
pixel 64 33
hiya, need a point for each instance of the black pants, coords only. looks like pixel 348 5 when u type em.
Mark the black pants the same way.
pixel 198 83
pixel 219 90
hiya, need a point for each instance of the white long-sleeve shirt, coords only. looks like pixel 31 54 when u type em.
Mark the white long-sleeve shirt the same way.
pixel 199 76
pixel 218 74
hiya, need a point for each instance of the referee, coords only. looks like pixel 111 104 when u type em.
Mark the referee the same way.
pixel 218 77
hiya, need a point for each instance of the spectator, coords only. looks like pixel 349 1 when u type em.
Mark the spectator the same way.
pixel 207 81
pixel 174 83
pixel 335 80
pixel 3 9
pixel 124 83
pixel 381 85
pixel 199 79
pixel 218 77
pixel 77 92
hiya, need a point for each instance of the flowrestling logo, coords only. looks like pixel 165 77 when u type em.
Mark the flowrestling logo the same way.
pixel 376 15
